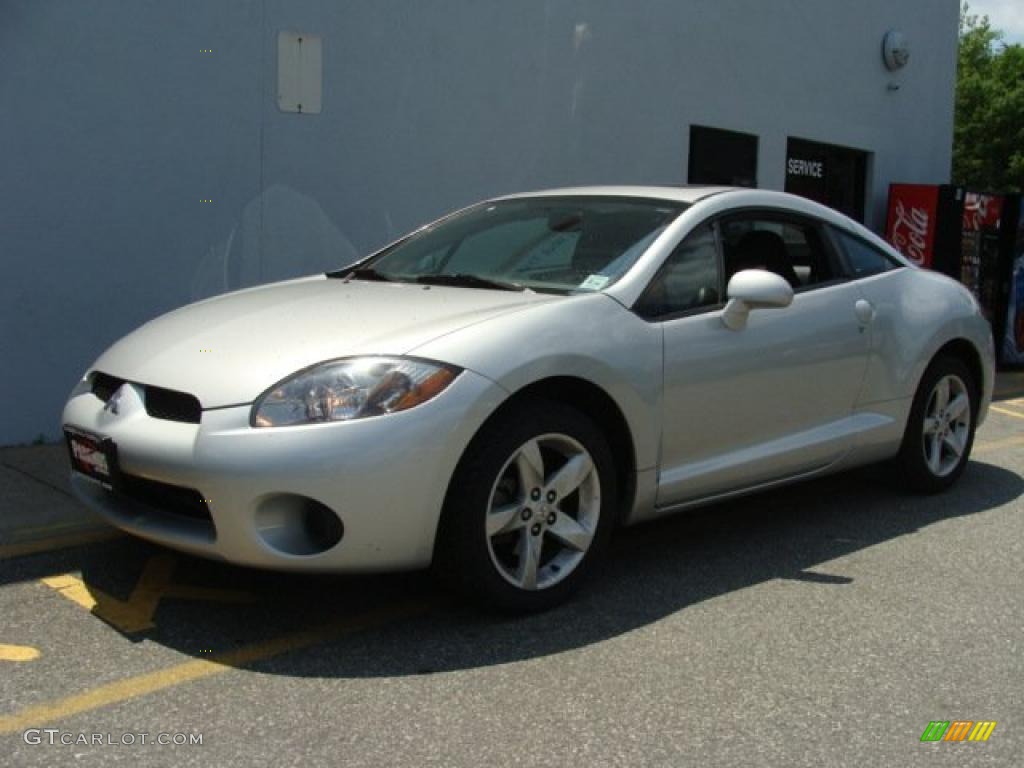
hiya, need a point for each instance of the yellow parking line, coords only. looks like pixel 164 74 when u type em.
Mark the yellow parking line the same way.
pixel 136 613
pixel 140 685
pixel 18 652
pixel 1006 411
pixel 132 615
pixel 24 548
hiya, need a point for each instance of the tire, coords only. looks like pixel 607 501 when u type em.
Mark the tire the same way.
pixel 939 434
pixel 529 509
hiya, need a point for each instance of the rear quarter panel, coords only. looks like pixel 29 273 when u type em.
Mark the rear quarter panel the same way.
pixel 917 313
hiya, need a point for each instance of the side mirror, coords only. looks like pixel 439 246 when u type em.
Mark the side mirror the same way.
pixel 754 289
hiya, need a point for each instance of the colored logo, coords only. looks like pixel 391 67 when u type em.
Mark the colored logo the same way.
pixel 958 730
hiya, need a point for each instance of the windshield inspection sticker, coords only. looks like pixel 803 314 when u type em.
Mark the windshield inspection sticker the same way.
pixel 595 282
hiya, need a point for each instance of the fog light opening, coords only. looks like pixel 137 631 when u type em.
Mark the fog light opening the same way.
pixel 323 527
pixel 297 525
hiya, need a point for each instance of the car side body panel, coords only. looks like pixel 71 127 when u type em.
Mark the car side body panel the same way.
pixel 768 401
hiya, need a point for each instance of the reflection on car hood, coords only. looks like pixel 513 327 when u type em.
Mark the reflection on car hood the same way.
pixel 229 349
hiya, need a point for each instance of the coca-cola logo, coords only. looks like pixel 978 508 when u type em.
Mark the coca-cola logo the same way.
pixel 910 232
pixel 981 211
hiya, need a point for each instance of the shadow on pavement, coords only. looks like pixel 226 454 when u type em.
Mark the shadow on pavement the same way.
pixel 651 572
pixel 1009 385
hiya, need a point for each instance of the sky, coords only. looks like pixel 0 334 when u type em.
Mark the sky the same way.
pixel 1005 15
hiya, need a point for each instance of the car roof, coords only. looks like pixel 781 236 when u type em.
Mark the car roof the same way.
pixel 682 194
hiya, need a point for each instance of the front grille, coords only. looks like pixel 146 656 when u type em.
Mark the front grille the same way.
pixel 103 386
pixel 164 497
pixel 166 404
pixel 172 406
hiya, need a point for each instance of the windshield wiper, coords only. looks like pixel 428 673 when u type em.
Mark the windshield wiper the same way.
pixel 362 273
pixel 463 280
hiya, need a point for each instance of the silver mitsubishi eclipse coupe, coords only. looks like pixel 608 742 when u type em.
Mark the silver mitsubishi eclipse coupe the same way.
pixel 494 393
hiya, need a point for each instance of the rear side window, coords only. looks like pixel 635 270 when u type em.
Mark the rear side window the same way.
pixel 862 259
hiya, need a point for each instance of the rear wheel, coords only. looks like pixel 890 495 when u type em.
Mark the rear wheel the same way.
pixel 529 508
pixel 940 431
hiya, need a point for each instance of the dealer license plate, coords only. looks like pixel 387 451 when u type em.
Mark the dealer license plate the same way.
pixel 92 456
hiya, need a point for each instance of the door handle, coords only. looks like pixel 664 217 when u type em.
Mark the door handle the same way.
pixel 865 312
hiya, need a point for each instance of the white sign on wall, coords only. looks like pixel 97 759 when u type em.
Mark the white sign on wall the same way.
pixel 814 169
pixel 299 73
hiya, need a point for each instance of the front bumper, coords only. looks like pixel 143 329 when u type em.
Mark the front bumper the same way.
pixel 384 477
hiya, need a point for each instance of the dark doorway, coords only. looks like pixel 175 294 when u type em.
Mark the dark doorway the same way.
pixel 722 157
pixel 831 175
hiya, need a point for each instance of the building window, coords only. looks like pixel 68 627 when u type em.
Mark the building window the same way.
pixel 831 175
pixel 722 157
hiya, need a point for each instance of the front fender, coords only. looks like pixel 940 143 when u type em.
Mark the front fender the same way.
pixel 589 337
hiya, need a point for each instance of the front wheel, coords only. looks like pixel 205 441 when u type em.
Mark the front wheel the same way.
pixel 940 431
pixel 529 508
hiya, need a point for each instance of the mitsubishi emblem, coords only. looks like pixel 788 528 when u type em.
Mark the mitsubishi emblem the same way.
pixel 112 405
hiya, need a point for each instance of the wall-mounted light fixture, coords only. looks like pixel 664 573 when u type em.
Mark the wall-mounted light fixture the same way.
pixel 895 50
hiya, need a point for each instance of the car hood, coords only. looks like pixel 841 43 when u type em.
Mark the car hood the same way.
pixel 229 349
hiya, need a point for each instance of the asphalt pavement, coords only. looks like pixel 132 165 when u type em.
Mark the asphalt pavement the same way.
pixel 825 624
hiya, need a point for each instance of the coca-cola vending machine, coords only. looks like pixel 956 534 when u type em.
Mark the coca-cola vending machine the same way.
pixel 974 238
pixel 979 261
pixel 1012 332
pixel 925 225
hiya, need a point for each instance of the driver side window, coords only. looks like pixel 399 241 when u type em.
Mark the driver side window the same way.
pixel 791 247
pixel 687 281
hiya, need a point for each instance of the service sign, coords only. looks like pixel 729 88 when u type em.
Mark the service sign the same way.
pixel 814 169
pixel 806 173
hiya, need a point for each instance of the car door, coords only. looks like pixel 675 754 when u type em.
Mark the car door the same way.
pixel 770 401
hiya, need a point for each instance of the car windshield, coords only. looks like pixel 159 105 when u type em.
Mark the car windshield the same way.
pixel 548 244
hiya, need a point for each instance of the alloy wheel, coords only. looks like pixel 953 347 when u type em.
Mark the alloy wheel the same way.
pixel 947 425
pixel 543 512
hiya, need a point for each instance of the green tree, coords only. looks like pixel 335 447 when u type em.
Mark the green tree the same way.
pixel 988 150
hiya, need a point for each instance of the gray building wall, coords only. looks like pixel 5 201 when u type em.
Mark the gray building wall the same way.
pixel 115 126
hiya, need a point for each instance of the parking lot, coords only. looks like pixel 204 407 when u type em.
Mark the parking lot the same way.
pixel 823 624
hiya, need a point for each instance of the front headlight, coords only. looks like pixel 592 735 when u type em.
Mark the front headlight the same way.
pixel 351 389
